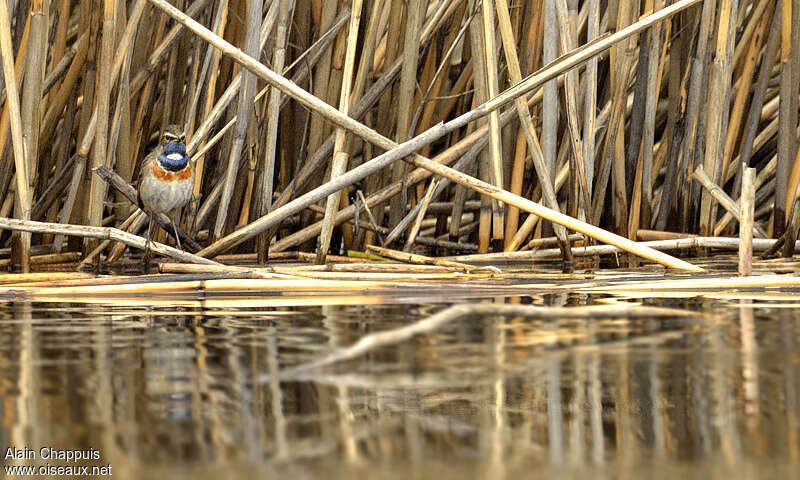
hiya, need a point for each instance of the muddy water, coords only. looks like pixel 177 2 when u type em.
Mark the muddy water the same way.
pixel 185 388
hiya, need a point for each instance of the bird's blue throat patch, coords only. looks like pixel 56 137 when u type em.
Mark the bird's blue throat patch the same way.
pixel 174 158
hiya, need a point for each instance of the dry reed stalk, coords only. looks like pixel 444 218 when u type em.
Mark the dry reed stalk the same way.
pixel 746 223
pixel 77 180
pixel 134 217
pixel 59 53
pixel 318 129
pixel 532 221
pixel 543 171
pixel 428 107
pixel 19 70
pixel 243 112
pixel 119 145
pixel 754 21
pixel 480 96
pixel 743 92
pixel 766 172
pixel 191 112
pixel 48 259
pixel 423 207
pixel 590 97
pixel 615 142
pixel 609 158
pixel 567 39
pixel 538 243
pixel 193 273
pixel 714 283
pixel 216 282
pixel 266 179
pixel 403 103
pixel 418 240
pixel 718 108
pixel 384 267
pixel 424 260
pixel 309 257
pixel 97 190
pixel 209 104
pixel 35 63
pixel 757 101
pixel 727 202
pixel 515 186
pixel 648 235
pixel 198 142
pixel 106 233
pixel 21 278
pixel 22 242
pixel 495 145
pixel 340 156
pixel 651 102
pixel 787 140
pixel 53 191
pixel 792 227
pixel 569 222
pixel 694 242
pixel 227 270
pixel 435 187
pixel 550 107
pixel 696 83
pixel 420 279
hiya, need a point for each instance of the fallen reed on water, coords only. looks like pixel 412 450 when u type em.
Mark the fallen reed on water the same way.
pixel 420 128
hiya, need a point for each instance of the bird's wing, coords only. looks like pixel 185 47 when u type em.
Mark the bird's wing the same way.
pixel 147 166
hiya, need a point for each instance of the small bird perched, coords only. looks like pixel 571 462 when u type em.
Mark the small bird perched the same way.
pixel 166 179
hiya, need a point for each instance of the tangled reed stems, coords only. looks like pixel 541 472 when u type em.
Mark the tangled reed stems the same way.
pixel 379 122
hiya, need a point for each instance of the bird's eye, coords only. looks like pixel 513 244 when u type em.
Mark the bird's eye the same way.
pixel 183 138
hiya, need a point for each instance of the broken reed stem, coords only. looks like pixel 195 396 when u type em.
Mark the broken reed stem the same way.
pixel 423 207
pixel 746 223
pixel 727 202
pixel 103 233
pixel 424 260
pixel 723 243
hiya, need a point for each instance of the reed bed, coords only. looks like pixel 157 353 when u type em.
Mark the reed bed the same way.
pixel 414 130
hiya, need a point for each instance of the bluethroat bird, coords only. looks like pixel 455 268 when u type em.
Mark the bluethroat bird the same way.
pixel 166 180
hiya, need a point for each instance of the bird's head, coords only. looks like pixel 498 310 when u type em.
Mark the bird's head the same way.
pixel 173 157
pixel 173 134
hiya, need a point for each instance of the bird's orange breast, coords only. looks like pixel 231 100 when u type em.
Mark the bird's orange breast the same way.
pixel 167 176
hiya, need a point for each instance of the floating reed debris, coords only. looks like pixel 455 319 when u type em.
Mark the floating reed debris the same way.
pixel 380 124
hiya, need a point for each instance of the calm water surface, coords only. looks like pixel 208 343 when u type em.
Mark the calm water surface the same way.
pixel 184 387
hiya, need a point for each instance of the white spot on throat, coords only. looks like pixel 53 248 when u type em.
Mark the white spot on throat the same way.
pixel 175 157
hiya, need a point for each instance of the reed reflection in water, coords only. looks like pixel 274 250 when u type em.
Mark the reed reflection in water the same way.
pixel 192 391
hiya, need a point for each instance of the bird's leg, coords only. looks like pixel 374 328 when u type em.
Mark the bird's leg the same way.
pixel 146 257
pixel 175 230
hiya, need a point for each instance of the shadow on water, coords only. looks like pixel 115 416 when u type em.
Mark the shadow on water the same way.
pixel 188 389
